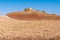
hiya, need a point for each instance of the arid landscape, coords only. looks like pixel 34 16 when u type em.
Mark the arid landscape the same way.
pixel 30 25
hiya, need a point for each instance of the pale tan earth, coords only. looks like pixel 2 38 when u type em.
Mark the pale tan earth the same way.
pixel 12 29
pixel 30 25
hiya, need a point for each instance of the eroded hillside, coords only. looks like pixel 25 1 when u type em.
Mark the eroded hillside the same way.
pixel 33 15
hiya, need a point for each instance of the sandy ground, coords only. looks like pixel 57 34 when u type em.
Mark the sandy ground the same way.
pixel 10 28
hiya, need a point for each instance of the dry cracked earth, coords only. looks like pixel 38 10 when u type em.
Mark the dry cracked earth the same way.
pixel 12 29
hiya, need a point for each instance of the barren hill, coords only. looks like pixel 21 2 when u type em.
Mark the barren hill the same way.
pixel 13 29
pixel 33 15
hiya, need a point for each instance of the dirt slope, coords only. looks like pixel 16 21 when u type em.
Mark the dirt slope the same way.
pixel 33 15
pixel 12 29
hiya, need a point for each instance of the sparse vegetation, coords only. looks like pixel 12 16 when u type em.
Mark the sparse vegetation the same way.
pixel 37 10
pixel 43 11
pixel 27 9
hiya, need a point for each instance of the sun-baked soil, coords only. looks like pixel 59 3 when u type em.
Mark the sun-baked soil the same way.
pixel 12 29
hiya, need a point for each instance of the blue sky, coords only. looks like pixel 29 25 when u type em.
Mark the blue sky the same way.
pixel 50 6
